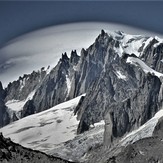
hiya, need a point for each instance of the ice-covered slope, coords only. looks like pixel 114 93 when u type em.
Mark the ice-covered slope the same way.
pixel 44 47
pixel 44 130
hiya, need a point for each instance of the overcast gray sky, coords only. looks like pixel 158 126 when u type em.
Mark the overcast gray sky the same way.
pixel 18 17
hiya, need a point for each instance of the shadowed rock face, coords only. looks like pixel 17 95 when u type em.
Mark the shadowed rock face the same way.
pixel 4 116
pixel 152 55
pixel 13 153
pixel 136 110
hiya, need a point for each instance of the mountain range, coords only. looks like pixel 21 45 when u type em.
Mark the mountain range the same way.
pixel 106 101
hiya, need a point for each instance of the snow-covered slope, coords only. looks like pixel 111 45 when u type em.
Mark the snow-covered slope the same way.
pixel 43 131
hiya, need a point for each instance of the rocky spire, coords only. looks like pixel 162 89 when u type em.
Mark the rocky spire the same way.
pixel 84 53
pixel 74 58
pixel 102 32
pixel 64 57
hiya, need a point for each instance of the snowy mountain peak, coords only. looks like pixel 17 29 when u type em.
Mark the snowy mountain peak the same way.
pixel 120 74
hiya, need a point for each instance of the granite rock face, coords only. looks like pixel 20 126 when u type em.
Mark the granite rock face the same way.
pixel 152 55
pixel 139 108
pixel 20 89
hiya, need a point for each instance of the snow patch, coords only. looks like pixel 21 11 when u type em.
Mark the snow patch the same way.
pixel 48 70
pixel 68 84
pixel 133 46
pixel 102 122
pixel 75 68
pixel 22 83
pixel 120 75
pixel 141 152
pixel 30 96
